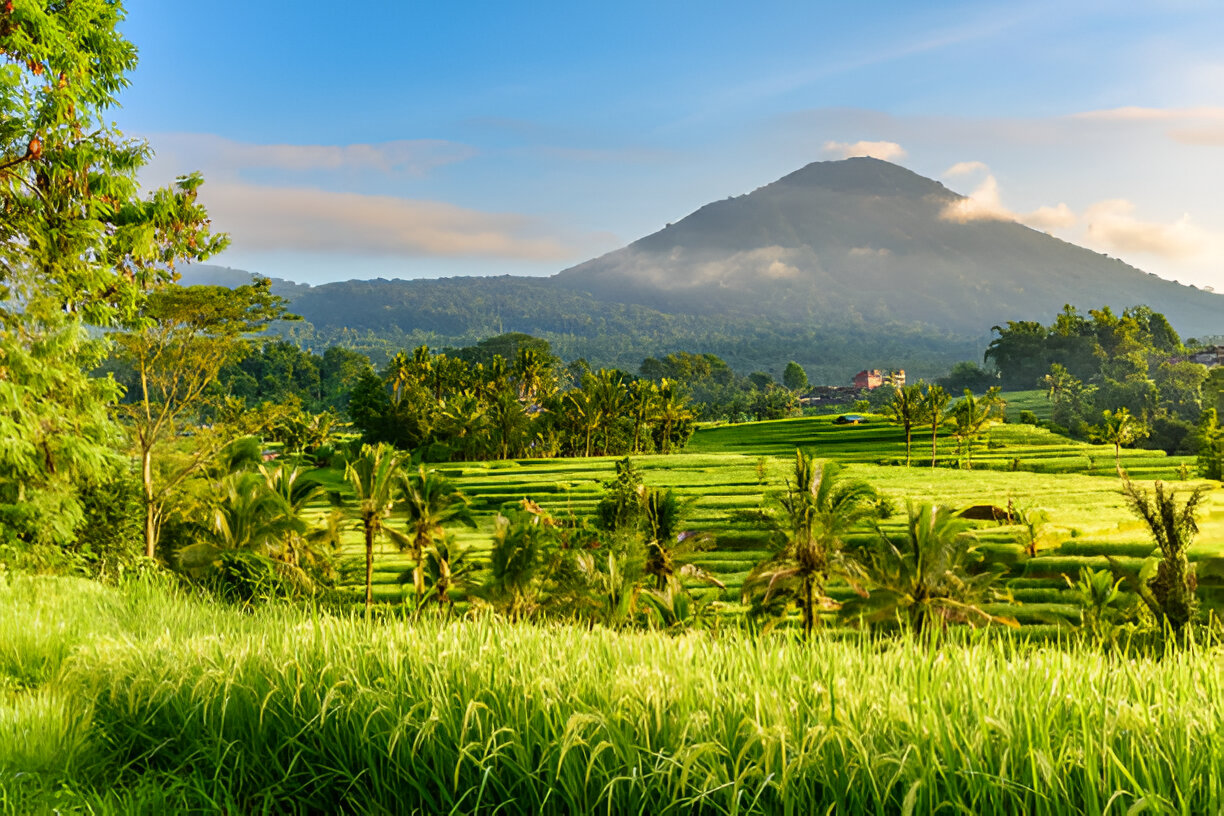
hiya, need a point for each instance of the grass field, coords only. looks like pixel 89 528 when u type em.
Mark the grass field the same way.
pixel 145 701
pixel 718 474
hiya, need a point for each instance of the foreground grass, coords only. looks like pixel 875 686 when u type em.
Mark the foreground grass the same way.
pixel 143 701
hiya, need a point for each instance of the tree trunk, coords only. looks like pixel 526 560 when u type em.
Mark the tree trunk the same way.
pixel 369 544
pixel 146 479
pixel 934 432
pixel 808 612
pixel 909 434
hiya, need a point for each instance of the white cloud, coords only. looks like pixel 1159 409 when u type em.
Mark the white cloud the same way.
pixel 1112 225
pixel 965 168
pixel 885 151
pixel 223 157
pixel 985 203
pixel 1134 113
pixel 299 219
pixel 1051 218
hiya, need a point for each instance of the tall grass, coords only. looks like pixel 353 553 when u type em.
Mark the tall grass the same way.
pixel 147 700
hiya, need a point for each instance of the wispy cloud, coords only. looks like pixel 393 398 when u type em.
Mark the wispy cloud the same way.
pixel 299 219
pixel 225 157
pixel 886 151
pixel 1113 225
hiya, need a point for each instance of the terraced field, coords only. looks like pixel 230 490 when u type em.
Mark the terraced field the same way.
pixel 720 474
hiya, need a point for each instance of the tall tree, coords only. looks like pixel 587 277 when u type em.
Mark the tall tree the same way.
pixel 1119 428
pixel 906 409
pixel 187 334
pixel 78 246
pixel 934 404
pixel 431 502
pixel 973 414
pixel 821 507
pixel 373 475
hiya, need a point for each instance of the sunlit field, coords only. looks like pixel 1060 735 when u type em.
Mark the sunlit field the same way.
pixel 730 473
pixel 139 700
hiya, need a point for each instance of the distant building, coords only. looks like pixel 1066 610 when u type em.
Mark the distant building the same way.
pixel 869 379
pixel 896 378
pixel 1210 357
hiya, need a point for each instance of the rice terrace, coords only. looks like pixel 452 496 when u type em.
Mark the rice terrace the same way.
pixel 848 493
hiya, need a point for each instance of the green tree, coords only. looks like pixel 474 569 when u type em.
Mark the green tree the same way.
pixel 973 415
pixel 906 409
pixel 1119 428
pixel 1170 593
pixel 925 576
pixel 374 475
pixel 78 246
pixel 821 507
pixel 186 335
pixel 934 404
pixel 794 377
pixel 430 502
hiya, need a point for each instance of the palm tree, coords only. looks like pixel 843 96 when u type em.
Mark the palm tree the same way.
pixel 1170 594
pixel 521 540
pixel 448 566
pixel 661 516
pixel 672 409
pixel 531 374
pixel 507 418
pixel 643 395
pixel 925 575
pixel 300 541
pixel 906 408
pixel 972 416
pixel 583 412
pixel 934 402
pixel 821 507
pixel 399 373
pixel 1120 428
pixel 431 502
pixel 610 397
pixel 374 475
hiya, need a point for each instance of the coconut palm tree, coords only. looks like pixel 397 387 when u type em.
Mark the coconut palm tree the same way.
pixel 448 566
pixel 821 506
pixel 924 576
pixel 643 395
pixel 582 410
pixel 1170 594
pixel 661 518
pixel 374 477
pixel 934 404
pixel 906 409
pixel 671 410
pixel 973 415
pixel 611 399
pixel 431 502
pixel 1120 428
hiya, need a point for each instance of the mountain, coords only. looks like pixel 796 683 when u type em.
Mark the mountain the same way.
pixel 867 238
pixel 840 266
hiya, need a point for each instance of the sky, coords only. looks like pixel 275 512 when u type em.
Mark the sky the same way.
pixel 407 140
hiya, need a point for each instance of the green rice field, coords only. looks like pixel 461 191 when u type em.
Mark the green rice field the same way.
pixel 144 700
pixel 720 475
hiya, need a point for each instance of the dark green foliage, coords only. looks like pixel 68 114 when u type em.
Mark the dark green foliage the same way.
pixel 794 377
pixel 968 374
pixel 620 508
pixel 1170 593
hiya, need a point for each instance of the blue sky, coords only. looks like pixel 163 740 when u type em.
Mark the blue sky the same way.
pixel 423 140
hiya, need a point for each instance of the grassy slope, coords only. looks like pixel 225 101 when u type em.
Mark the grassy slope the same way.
pixel 143 701
pixel 718 473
